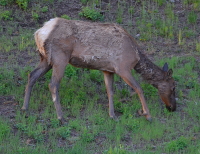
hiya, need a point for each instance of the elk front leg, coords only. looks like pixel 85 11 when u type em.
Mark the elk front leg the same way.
pixel 42 68
pixel 108 78
pixel 128 78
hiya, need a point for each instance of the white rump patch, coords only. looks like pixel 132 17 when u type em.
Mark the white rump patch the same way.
pixel 42 34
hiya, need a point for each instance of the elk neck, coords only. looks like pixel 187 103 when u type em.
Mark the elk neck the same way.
pixel 148 70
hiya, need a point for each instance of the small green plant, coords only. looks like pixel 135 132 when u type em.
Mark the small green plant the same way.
pixel 63 132
pixel 75 124
pixel 3 2
pixel 71 71
pixel 87 136
pixel 35 16
pixel 149 90
pixel 38 136
pixel 131 10
pixel 6 2
pixel 98 119
pixel 45 9
pixel 65 17
pixel 132 124
pixel 91 14
pixel 119 18
pixel 116 150
pixel 192 17
pixel 84 1
pixel 54 123
pixel 180 38
pixel 21 126
pixel 178 144
pixel 198 46
pixel 6 15
pixel 160 2
pixel 4 130
pixel 22 4
pixel 95 75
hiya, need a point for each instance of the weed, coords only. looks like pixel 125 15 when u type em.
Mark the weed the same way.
pixel 54 123
pixel 63 132
pixel 192 17
pixel 131 10
pixel 3 2
pixel 95 75
pixel 160 2
pixel 198 46
pixel 87 136
pixel 45 9
pixel 178 144
pixel 169 12
pixel 22 4
pixel 116 150
pixel 180 38
pixel 6 15
pixel 132 124
pixel 149 90
pixel 65 17
pixel 4 130
pixel 71 71
pixel 91 14
pixel 21 127
pixel 6 2
pixel 98 119
pixel 35 16
pixel 75 124
pixel 38 136
pixel 119 18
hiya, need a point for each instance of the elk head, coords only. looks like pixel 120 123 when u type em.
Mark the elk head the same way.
pixel 166 89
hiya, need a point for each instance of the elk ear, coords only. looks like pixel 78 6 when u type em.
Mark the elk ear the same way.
pixel 169 73
pixel 165 67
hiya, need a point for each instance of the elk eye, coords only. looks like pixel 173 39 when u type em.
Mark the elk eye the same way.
pixel 173 89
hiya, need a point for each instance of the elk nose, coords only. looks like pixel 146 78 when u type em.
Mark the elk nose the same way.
pixel 171 108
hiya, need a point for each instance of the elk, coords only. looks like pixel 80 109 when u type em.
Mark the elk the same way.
pixel 105 47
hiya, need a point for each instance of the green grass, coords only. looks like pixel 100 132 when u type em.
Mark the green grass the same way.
pixel 82 91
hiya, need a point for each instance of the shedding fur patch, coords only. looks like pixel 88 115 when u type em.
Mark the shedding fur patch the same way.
pixel 43 33
pixel 101 40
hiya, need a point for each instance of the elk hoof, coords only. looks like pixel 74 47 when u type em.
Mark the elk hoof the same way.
pixel 141 112
pixel 149 118
pixel 114 118
pixel 24 112
pixel 62 121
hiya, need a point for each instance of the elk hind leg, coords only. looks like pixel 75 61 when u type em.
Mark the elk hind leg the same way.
pixel 57 74
pixel 42 69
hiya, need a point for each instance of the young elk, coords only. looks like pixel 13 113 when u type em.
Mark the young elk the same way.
pixel 105 47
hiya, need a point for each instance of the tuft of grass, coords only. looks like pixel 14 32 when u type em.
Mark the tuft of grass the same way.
pixel 91 14
pixel 178 144
pixel 4 130
pixel 6 15
pixel 160 2
pixel 63 132
pixel 198 46
pixel 65 17
pixel 22 4
pixel 35 16
pixel 45 9
pixel 117 150
pixel 192 17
